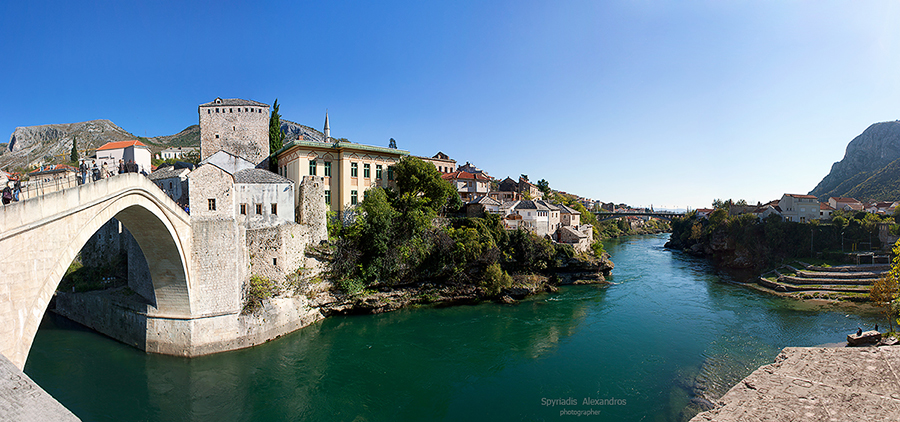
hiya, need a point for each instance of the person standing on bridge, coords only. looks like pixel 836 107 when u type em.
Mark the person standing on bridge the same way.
pixel 95 171
pixel 104 171
pixel 121 166
pixel 83 169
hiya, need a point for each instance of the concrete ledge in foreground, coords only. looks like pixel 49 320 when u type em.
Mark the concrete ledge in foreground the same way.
pixel 817 384
pixel 24 401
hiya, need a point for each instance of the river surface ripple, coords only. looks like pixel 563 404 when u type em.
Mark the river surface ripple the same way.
pixel 669 334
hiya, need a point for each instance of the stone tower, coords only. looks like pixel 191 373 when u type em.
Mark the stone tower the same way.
pixel 240 127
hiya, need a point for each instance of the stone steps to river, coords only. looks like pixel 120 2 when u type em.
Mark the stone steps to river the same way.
pixel 788 287
pixel 827 281
pixel 839 275
pixel 875 268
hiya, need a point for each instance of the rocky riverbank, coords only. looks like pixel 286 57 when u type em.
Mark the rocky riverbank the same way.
pixel 331 301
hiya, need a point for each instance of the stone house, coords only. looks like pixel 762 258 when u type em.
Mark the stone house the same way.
pixel 469 168
pixel 580 237
pixel 469 185
pixel 481 205
pixel 825 211
pixel 173 182
pixel 348 169
pixel 799 208
pixel 441 161
pixel 264 199
pixel 111 152
pixel 845 204
pixel 569 216
pixel 539 217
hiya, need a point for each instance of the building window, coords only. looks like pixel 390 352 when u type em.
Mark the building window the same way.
pixel 258 209
pixel 170 185
pixel 328 197
pixel 243 209
pixel 354 170
pixel 367 173
pixel 390 172
pixel 275 261
pixel 378 171
pixel 353 197
pixel 217 136
pixel 217 109
pixel 328 169
pixel 274 209
pixel 312 167
pixel 208 111
pixel 212 204
pixel 230 110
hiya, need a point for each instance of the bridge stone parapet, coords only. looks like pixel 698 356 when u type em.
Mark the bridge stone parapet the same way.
pixel 40 237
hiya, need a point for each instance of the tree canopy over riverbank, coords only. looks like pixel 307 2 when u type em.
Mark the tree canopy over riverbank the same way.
pixel 415 233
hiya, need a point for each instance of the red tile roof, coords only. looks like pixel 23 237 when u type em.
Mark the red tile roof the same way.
pixel 120 144
pixel 463 175
pixel 825 206
pixel 794 195
pixel 839 199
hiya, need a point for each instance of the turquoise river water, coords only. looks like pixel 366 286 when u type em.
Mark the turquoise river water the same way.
pixel 670 332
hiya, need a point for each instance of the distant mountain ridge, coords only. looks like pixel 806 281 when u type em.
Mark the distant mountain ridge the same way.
pixel 35 145
pixel 870 169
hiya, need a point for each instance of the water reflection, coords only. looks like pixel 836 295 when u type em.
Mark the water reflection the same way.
pixel 669 334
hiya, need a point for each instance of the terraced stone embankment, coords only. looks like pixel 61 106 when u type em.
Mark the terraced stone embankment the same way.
pixel 850 282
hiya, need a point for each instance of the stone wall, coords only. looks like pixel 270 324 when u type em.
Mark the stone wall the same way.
pixel 311 209
pixel 111 313
pixel 240 130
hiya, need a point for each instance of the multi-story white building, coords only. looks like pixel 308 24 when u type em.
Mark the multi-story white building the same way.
pixel 799 208
pixel 469 185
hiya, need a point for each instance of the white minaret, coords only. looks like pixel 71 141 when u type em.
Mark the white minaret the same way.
pixel 327 128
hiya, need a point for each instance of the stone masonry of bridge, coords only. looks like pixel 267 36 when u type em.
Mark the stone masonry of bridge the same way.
pixel 197 266
pixel 40 237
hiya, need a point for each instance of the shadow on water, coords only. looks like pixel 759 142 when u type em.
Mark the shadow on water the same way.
pixel 671 333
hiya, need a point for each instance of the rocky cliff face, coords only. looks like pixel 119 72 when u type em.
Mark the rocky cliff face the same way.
pixel 34 145
pixel 877 147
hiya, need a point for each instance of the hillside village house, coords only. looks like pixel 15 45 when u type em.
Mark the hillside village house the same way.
pixel 111 152
pixel 845 204
pixel 176 153
pixel 469 185
pixel 799 208
pixel 481 205
pixel 825 211
pixel 540 217
pixel 441 161
pixel 569 216
pixel 349 169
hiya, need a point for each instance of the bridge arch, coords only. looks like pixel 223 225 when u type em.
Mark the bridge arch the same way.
pixel 40 237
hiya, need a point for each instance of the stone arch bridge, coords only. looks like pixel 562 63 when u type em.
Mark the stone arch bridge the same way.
pixel 40 237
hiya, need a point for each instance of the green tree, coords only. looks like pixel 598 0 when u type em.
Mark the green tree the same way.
pixel 419 182
pixel 392 144
pixel 884 293
pixel 276 135
pixel 74 155
pixel 544 186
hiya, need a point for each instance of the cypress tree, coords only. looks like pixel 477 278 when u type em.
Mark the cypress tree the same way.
pixel 276 136
pixel 74 155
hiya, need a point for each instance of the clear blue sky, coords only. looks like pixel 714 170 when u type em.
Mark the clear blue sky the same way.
pixel 643 102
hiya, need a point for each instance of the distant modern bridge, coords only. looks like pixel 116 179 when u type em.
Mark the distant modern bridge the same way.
pixel 41 236
pixel 662 215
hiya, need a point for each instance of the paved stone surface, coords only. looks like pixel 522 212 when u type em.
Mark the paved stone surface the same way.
pixel 24 401
pixel 817 384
